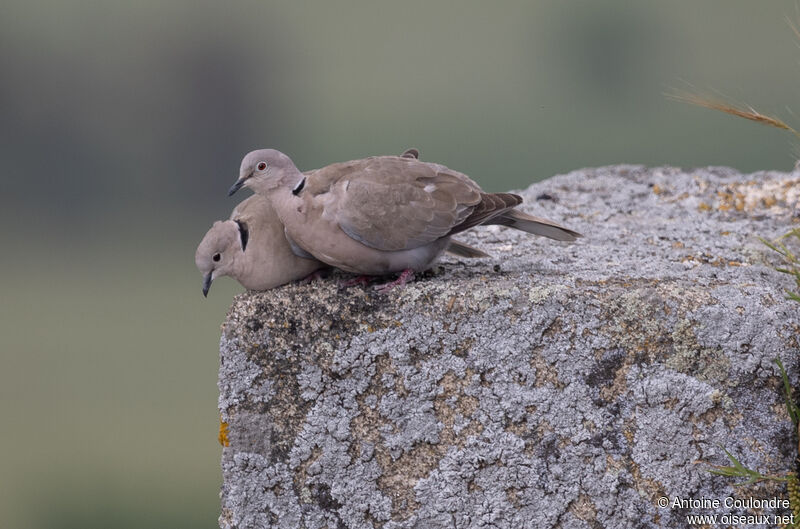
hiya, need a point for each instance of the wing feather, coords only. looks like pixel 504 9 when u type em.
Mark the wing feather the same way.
pixel 394 203
pixel 490 206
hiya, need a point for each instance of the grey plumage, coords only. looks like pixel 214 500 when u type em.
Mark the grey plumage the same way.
pixel 384 213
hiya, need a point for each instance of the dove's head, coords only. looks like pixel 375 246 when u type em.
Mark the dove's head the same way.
pixel 217 253
pixel 265 170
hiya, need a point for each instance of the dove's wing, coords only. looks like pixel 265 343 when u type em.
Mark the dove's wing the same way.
pixel 396 203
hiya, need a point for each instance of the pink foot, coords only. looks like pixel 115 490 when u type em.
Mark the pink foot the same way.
pixel 360 280
pixel 405 276
pixel 314 276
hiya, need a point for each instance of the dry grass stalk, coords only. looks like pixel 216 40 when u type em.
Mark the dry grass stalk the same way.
pixel 736 110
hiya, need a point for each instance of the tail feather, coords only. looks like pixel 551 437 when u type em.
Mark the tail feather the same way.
pixel 536 225
pixel 464 250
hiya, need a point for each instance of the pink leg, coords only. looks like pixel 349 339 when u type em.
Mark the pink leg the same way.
pixel 404 277
pixel 314 276
pixel 359 280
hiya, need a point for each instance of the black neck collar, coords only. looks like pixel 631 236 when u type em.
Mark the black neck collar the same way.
pixel 299 187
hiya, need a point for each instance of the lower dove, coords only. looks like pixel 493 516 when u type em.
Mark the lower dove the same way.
pixel 251 247
pixel 381 214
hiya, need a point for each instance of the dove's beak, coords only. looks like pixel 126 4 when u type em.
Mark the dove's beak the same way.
pixel 236 187
pixel 207 284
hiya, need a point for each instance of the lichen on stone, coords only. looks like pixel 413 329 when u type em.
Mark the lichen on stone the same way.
pixel 570 387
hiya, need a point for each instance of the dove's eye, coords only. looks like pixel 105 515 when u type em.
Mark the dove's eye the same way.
pixel 216 257
pixel 261 166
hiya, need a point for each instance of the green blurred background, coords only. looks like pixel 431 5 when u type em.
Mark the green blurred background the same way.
pixel 123 124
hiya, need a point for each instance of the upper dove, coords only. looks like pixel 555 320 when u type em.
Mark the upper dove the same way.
pixel 381 214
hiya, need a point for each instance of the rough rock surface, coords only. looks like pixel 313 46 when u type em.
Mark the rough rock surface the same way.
pixel 556 385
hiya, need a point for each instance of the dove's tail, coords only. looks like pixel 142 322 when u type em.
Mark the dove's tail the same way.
pixel 464 250
pixel 536 225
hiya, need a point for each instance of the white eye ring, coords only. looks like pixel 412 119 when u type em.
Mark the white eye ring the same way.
pixel 261 166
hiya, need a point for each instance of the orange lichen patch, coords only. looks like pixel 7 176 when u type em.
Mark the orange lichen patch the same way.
pixel 223 433
pixel 708 259
pixel 781 196
pixel 657 189
pixel 677 244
